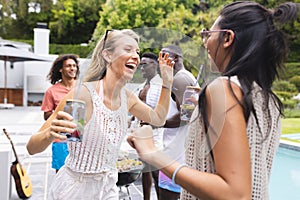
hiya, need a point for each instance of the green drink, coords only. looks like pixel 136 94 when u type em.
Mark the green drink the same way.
pixel 76 108
pixel 186 111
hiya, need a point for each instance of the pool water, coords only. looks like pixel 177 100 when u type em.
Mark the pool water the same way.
pixel 285 177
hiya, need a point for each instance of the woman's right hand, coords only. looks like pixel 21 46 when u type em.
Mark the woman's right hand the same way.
pixel 62 123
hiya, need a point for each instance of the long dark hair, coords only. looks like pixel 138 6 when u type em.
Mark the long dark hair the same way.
pixel 54 74
pixel 259 49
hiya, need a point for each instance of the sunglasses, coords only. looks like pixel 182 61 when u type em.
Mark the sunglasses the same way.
pixel 105 37
pixel 205 34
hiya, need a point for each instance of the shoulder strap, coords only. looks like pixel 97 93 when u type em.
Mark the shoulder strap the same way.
pixel 89 86
pixel 235 80
pixel 123 98
pixel 91 90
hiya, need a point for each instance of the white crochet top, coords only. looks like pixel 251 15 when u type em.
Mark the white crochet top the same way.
pixel 263 137
pixel 98 152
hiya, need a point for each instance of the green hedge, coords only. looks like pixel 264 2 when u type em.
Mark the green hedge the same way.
pixel 291 113
pixel 291 69
pixel 296 81
pixel 82 51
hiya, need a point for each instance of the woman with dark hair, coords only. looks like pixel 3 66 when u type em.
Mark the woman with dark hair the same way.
pixel 235 130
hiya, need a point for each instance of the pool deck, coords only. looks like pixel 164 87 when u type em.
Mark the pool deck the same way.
pixel 290 144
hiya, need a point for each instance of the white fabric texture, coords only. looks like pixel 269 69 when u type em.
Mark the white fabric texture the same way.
pixel 173 138
pixel 154 91
pixel 263 137
pixel 69 185
pixel 173 147
pixel 152 98
pixel 104 133
pixel 182 79
pixel 90 169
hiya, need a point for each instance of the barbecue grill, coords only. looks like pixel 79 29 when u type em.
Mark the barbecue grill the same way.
pixel 128 176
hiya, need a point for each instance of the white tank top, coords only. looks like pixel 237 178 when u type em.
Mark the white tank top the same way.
pixel 98 152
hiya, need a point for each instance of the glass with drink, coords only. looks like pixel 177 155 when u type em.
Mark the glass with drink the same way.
pixel 76 108
pixel 187 107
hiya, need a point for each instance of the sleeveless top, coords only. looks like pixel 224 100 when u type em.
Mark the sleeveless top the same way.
pixel 263 138
pixel 103 134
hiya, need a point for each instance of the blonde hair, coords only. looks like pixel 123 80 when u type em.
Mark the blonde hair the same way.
pixel 98 65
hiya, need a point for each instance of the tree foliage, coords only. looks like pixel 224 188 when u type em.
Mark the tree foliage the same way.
pixel 19 17
pixel 120 14
pixel 284 86
pixel 70 21
pixel 296 81
pixel 159 22
pixel 74 20
pixel 285 91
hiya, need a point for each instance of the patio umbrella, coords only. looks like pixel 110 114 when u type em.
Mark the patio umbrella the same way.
pixel 10 53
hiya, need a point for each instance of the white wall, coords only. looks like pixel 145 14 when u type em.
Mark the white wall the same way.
pixel 41 41
pixel 34 79
pixel 31 77
pixel 14 75
pixel 5 178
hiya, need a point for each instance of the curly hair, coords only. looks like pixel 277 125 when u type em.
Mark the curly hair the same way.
pixel 54 75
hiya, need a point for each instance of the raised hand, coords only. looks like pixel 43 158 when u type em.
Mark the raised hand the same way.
pixel 166 68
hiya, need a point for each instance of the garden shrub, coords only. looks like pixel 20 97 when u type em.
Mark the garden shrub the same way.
pixel 296 81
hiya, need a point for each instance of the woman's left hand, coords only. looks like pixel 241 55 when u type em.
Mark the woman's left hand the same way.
pixel 166 65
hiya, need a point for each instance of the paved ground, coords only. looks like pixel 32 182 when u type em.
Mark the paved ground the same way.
pixel 295 137
pixel 21 123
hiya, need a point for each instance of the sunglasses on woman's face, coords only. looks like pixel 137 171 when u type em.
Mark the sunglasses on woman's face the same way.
pixel 105 37
pixel 205 34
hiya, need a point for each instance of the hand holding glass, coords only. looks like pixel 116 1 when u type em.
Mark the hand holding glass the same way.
pixel 76 108
pixel 190 98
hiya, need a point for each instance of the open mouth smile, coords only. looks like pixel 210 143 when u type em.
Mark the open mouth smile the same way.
pixel 130 66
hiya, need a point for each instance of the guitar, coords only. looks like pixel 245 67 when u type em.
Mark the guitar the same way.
pixel 22 180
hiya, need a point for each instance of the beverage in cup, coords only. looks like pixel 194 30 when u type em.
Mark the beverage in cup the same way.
pixel 76 108
pixel 190 97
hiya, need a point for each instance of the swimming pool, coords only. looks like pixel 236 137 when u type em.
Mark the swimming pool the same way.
pixel 285 177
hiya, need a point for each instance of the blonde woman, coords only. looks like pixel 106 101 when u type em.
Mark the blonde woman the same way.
pixel 89 171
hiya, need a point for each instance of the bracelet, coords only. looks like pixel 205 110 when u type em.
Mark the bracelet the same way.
pixel 176 171
pixel 163 86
